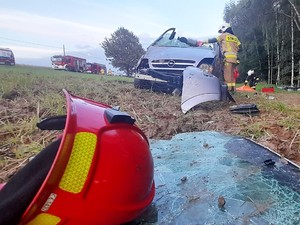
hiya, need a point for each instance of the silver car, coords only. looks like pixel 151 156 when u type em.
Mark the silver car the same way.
pixel 162 66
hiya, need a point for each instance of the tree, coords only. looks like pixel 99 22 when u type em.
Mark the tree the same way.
pixel 245 18
pixel 269 39
pixel 297 17
pixel 123 50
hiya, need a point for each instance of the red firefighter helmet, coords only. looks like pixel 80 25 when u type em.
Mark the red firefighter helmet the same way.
pixel 102 172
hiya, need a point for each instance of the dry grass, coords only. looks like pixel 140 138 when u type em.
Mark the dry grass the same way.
pixel 29 94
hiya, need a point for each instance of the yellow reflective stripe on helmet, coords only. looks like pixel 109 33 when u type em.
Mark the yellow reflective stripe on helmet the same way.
pixel 79 163
pixel 44 219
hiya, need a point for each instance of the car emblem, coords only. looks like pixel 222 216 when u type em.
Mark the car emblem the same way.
pixel 171 63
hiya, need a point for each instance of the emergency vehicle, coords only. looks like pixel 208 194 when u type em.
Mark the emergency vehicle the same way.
pixel 68 63
pixel 95 68
pixel 7 57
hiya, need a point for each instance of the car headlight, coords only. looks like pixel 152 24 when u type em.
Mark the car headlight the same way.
pixel 207 68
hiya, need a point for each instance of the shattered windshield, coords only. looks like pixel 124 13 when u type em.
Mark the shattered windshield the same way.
pixel 170 39
pixel 214 178
pixel 166 42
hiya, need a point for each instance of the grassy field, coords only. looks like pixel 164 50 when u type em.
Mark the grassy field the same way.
pixel 28 94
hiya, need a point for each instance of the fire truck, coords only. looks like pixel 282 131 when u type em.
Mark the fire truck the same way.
pixel 68 63
pixel 7 57
pixel 95 68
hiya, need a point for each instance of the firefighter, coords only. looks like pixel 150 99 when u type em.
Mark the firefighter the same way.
pixel 102 71
pixel 251 79
pixel 229 45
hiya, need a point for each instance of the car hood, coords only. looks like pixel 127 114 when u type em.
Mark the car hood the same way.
pixel 192 53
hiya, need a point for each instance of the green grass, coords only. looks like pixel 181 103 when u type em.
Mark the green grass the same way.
pixel 287 115
pixel 34 81
pixel 254 130
pixel 28 94
pixel 261 85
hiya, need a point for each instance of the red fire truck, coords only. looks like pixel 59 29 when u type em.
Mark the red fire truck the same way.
pixel 95 68
pixel 69 63
pixel 7 57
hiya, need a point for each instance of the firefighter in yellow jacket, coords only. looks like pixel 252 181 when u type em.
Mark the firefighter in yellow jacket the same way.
pixel 229 46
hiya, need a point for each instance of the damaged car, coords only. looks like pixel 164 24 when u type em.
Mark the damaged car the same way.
pixel 161 68
pixel 172 66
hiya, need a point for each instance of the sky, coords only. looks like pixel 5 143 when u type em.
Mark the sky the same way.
pixel 36 30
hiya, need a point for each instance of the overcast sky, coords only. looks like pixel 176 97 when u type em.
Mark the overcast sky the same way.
pixel 35 30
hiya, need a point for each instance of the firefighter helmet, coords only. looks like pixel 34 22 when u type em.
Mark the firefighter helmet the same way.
pixel 224 27
pixel 102 172
pixel 250 72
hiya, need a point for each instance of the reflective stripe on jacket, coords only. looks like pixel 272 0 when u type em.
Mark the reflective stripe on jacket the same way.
pixel 229 45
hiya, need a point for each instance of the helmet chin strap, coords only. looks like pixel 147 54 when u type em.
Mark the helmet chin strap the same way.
pixel 53 123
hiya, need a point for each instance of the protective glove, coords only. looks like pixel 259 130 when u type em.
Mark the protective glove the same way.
pixel 200 43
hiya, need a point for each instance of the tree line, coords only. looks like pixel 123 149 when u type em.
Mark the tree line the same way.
pixel 270 34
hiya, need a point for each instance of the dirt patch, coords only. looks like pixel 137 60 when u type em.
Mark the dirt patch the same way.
pixel 269 128
pixel 158 115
